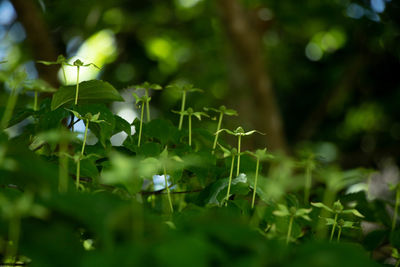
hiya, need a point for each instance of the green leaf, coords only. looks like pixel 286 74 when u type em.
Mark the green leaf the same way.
pixel 354 212
pixel 321 205
pixel 103 131
pixel 159 129
pixel 329 221
pixel 231 112
pixel 217 190
pixel 38 85
pixel 282 211
pixel 121 125
pixel 93 91
pixel 18 116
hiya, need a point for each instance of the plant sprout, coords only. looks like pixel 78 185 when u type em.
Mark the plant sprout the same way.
pixel 222 110
pixel 77 63
pixel 38 86
pixel 340 224
pixel 239 132
pixel 166 160
pixel 184 89
pixel 292 213
pixel 229 153
pixel 87 118
pixel 337 210
pixel 146 86
pixel 260 155
pixel 61 60
pixel 396 256
pixel 189 112
pixel 309 165
pixel 142 100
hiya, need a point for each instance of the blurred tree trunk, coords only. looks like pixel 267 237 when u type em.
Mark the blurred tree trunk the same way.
pixel 263 111
pixel 38 37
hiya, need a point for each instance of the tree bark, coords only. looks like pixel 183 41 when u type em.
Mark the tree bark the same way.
pixel 246 43
pixel 38 37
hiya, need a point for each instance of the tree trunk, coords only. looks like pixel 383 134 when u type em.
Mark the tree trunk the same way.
pixel 38 37
pixel 246 43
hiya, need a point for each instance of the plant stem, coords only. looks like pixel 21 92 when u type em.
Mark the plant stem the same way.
pixel 217 133
pixel 168 193
pixel 230 180
pixel 307 186
pixel 182 110
pixel 396 207
pixel 289 233
pixel 65 76
pixel 85 137
pixel 77 86
pixel 255 184
pixel 397 263
pixel 141 124
pixel 238 162
pixel 78 173
pixel 190 130
pixel 35 101
pixel 11 102
pixel 147 105
pixel 63 168
pixel 14 229
pixel 333 227
pixel 339 233
pixel 78 165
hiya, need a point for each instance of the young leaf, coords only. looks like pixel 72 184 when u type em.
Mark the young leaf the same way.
pixel 321 205
pixel 354 212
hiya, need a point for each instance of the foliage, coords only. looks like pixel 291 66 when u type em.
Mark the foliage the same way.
pixel 156 199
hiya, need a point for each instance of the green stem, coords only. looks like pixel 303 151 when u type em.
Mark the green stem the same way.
pixel 328 199
pixel 14 229
pixel 85 137
pixel 396 207
pixel 35 101
pixel 141 124
pixel 11 102
pixel 307 186
pixel 65 76
pixel 255 183
pixel 190 130
pixel 182 110
pixel 147 106
pixel 289 233
pixel 333 227
pixel 78 165
pixel 63 168
pixel 217 133
pixel 230 180
pixel 238 163
pixel 77 86
pixel 339 233
pixel 78 173
pixel 168 193
pixel 397 263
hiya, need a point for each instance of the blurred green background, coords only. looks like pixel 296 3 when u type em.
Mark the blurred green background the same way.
pixel 319 74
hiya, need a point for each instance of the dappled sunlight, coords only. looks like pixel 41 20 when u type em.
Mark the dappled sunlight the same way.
pixel 99 49
pixel 325 42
